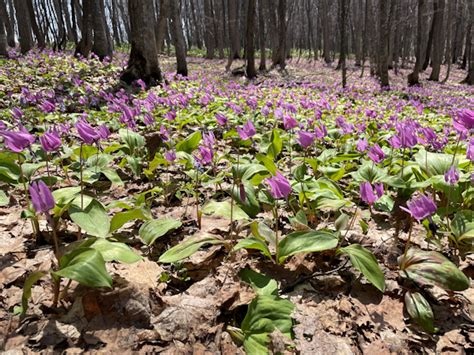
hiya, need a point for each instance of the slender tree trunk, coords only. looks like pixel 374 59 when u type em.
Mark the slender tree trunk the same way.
pixel 178 37
pixel 143 62
pixel 343 24
pixel 24 25
pixel 325 22
pixel 449 40
pixel 251 72
pixel 469 80
pixel 261 37
pixel 162 24
pixel 3 36
pixel 438 40
pixel 218 11
pixel 233 6
pixel 280 58
pixel 85 44
pixel 429 46
pixel 414 76
pixel 383 44
pixel 209 36
pixel 101 45
pixel 8 22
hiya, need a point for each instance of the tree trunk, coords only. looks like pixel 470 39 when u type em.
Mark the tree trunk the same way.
pixel 101 45
pixel 280 58
pixel 343 28
pixel 3 36
pixel 438 40
pixel 178 37
pixel 209 36
pixel 251 72
pixel 261 37
pixel 218 11
pixel 85 44
pixel 469 80
pixel 429 46
pixel 162 24
pixel 325 22
pixel 449 40
pixel 414 77
pixel 383 44
pixel 24 25
pixel 233 8
pixel 8 22
pixel 143 62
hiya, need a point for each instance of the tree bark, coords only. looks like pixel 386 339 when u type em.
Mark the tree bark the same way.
pixel 84 46
pixel 3 36
pixel 414 76
pixel 24 25
pixel 438 40
pixel 261 37
pixel 143 62
pixel 162 24
pixel 233 8
pixel 101 44
pixel 469 80
pixel 251 72
pixel 209 35
pixel 429 46
pixel 178 37
pixel 8 22
pixel 343 28
pixel 325 22
pixel 280 57
pixel 383 44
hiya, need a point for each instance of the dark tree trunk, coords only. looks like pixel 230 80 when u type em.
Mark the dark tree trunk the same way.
pixel 143 62
pixel 469 80
pixel 85 44
pixel 3 36
pixel 414 77
pixel 280 57
pixel 449 40
pixel 261 37
pixel 325 22
pixel 233 23
pixel 438 40
pixel 162 24
pixel 115 24
pixel 467 46
pixel 197 27
pixel 101 45
pixel 71 35
pixel 343 25
pixel 383 44
pixel 429 46
pixel 251 72
pixel 178 37
pixel 24 25
pixel 218 11
pixel 209 36
pixel 8 22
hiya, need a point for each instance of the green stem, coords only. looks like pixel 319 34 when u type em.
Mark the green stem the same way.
pixel 34 220
pixel 275 215
pixel 196 192
pixel 81 176
pixel 407 245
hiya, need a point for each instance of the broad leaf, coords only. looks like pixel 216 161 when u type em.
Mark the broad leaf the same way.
pixel 436 163
pixel 462 227
pixel 432 268
pixel 93 218
pixel 265 314
pixel 364 261
pixel 253 243
pixel 262 284
pixel 28 284
pixel 4 199
pixel 151 230
pixel 223 209
pixel 115 251
pixel 188 248
pixel 305 242
pixel 120 218
pixel 86 266
pixel 420 311
pixel 189 143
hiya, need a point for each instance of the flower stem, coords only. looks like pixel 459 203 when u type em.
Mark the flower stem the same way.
pixel 275 216
pixel 81 177
pixel 196 194
pixel 34 220
pixel 407 245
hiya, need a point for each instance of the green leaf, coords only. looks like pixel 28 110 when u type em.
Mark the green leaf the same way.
pixel 132 139
pixel 462 227
pixel 364 261
pixel 188 248
pixel 420 311
pixel 305 242
pixel 253 243
pixel 268 162
pixel 276 145
pixel 112 175
pixel 86 266
pixel 264 315
pixel 189 143
pixel 263 285
pixel 120 218
pixel 29 282
pixel 432 268
pixel 93 218
pixel 4 199
pixel 437 163
pixel 151 230
pixel 223 209
pixel 115 251
pixel 342 222
pixel 250 206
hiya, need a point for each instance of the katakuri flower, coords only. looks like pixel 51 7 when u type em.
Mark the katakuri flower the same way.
pixel 306 139
pixel 247 131
pixel 50 141
pixel 464 120
pixel 41 197
pixel 367 193
pixel 279 186
pixel 87 133
pixel 421 207
pixel 17 141
pixel 376 153
pixel 451 176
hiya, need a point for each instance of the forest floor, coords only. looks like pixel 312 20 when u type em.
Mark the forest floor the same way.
pixel 187 307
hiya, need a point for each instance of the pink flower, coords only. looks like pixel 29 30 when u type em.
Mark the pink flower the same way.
pixel 247 131
pixel 279 186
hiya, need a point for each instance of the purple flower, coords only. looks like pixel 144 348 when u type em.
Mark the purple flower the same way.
pixel 50 141
pixel 451 176
pixel 17 113
pixel 362 145
pixel 221 119
pixel 164 133
pixel 209 140
pixel 305 139
pixel 279 186
pixel 47 106
pixel 367 193
pixel 247 131
pixel 17 141
pixel 41 197
pixel 170 156
pixel 464 120
pixel 421 207
pixel 204 157
pixel 376 154
pixel 87 134
pixel 379 190
pixel 407 134
pixel 289 122
pixel 470 150
pixel 394 142
pixel 103 132
pixel 320 131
